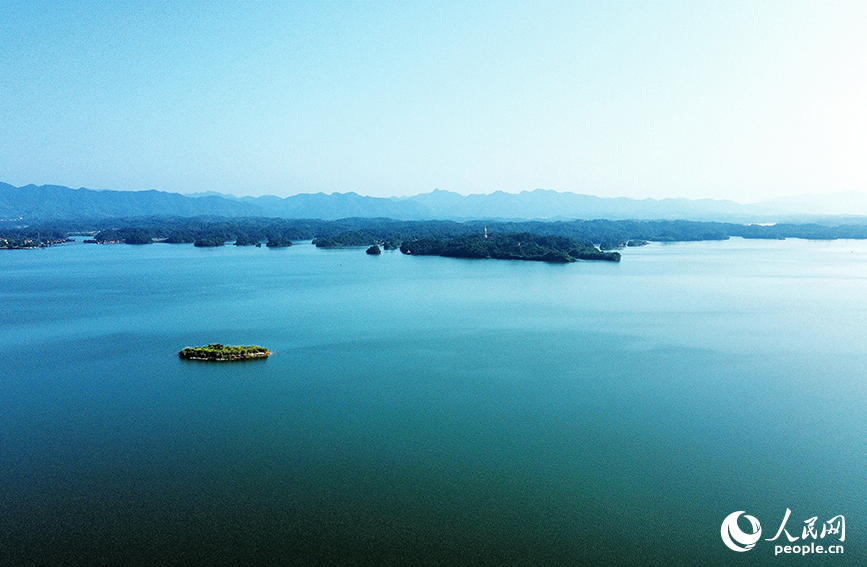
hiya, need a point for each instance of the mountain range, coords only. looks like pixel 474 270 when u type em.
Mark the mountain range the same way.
pixel 53 202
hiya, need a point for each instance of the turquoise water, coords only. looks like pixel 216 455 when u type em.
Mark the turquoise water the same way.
pixel 430 411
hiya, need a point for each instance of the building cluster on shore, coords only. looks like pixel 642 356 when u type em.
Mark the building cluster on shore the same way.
pixel 30 243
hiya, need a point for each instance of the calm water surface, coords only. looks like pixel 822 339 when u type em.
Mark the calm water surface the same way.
pixel 430 411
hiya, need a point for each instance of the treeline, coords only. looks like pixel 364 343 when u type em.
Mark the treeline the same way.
pixel 207 232
pixel 31 237
pixel 390 234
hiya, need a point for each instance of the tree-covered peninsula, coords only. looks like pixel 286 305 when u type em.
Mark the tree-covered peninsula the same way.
pixel 517 246
pixel 222 353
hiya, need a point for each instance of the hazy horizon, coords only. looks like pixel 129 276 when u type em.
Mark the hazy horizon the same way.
pixel 229 193
pixel 738 101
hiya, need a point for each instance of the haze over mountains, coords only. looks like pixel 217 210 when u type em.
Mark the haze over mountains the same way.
pixel 51 202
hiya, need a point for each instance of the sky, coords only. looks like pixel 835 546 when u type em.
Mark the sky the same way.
pixel 725 100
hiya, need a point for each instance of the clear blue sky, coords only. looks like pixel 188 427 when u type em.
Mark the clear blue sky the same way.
pixel 737 100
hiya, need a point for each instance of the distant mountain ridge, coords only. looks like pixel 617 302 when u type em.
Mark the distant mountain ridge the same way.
pixel 53 202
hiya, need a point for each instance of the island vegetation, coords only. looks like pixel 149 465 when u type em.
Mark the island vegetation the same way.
pixel 279 241
pixel 221 353
pixel 244 239
pixel 451 237
pixel 209 242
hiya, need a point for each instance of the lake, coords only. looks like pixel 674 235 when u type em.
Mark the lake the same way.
pixel 431 411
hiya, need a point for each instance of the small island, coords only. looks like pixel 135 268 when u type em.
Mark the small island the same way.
pixel 221 353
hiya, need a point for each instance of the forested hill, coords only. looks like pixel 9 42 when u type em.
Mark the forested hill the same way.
pixel 50 202
pixel 510 246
